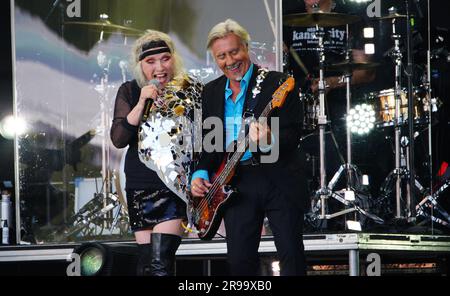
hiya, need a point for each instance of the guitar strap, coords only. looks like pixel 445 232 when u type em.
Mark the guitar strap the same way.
pixel 249 107
pixel 251 103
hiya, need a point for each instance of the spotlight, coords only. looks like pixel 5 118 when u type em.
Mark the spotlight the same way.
pixel 361 119
pixel 92 259
pixel 104 16
pixel 368 32
pixel 11 125
pixel 276 268
pixel 369 48
pixel 101 259
pixel 354 225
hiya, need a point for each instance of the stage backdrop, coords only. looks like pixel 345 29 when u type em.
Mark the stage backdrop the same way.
pixel 70 57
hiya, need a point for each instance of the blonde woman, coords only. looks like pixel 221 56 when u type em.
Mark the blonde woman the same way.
pixel 155 211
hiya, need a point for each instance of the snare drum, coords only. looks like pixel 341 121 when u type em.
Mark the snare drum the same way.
pixel 386 107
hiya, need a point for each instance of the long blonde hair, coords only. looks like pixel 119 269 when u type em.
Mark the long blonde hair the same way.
pixel 153 35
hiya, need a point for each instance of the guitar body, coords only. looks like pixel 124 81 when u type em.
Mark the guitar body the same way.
pixel 209 212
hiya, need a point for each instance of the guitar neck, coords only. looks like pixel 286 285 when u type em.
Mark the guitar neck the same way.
pixel 242 145
pixel 277 101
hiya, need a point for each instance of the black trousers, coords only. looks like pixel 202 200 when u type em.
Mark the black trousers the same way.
pixel 244 217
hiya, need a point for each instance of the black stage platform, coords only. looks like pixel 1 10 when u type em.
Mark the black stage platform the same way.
pixel 327 254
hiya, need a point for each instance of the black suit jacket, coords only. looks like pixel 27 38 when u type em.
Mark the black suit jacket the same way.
pixel 287 173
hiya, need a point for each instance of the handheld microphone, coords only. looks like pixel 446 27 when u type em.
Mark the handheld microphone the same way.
pixel 149 102
pixel 154 82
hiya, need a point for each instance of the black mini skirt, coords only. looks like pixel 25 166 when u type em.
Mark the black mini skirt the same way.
pixel 149 207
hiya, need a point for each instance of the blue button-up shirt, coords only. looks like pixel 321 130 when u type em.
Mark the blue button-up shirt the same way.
pixel 233 118
pixel 234 110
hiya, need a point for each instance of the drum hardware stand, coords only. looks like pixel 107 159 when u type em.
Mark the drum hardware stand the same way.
pixel 403 169
pixel 430 202
pixel 323 192
pixel 103 90
pixel 399 172
pixel 92 214
pixel 397 55
pixel 348 167
pixel 430 112
pixel 347 196
pixel 409 74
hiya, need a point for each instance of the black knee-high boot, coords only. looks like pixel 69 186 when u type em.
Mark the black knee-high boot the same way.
pixel 164 246
pixel 143 262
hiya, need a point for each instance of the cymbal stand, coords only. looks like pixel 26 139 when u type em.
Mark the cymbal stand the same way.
pixel 400 170
pixel 350 197
pixel 430 201
pixel 348 167
pixel 348 78
pixel 324 191
pixel 430 104
pixel 103 90
pixel 409 73
pixel 322 122
pixel 403 156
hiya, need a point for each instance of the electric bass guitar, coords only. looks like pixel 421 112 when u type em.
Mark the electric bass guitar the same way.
pixel 207 212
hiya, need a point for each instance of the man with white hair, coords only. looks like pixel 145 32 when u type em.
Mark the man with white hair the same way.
pixel 276 189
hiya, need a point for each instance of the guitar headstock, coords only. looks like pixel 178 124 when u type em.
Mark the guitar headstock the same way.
pixel 279 96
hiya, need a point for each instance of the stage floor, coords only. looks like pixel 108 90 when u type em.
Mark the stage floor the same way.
pixel 349 253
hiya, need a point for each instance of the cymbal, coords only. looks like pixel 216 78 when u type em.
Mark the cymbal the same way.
pixel 322 19
pixel 348 66
pixel 108 27
pixel 390 16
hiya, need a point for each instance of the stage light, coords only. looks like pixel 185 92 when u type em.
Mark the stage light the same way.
pixel 361 119
pixel 365 180
pixel 354 225
pixel 369 48
pixel 11 125
pixel 92 259
pixel 368 32
pixel 276 268
pixel 101 259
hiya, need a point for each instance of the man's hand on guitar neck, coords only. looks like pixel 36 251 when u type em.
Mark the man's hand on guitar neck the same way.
pixel 199 187
pixel 261 134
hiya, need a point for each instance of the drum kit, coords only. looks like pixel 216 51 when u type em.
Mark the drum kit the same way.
pixel 391 109
pixel 107 210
